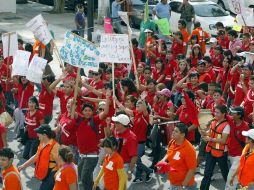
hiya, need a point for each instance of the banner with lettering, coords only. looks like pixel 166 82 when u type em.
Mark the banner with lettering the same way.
pixel 114 48
pixel 40 29
pixel 10 44
pixel 80 53
pixel 20 63
pixel 36 69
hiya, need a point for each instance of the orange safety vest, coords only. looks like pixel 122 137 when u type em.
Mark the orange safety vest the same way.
pixel 42 160
pixel 216 149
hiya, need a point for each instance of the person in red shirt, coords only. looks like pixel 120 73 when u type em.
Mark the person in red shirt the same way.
pixel 127 143
pixel 177 44
pixel 223 76
pixel 213 43
pixel 150 92
pixel 162 49
pixel 24 91
pixel 246 42
pixel 249 101
pixel 2 100
pixel 140 127
pixel 129 88
pixel 88 141
pixel 223 39
pixel 182 28
pixel 138 56
pixel 158 71
pixel 209 68
pixel 33 119
pixel 236 141
pixel 3 134
pixel 96 82
pixel 217 100
pixel 196 55
pixel 170 68
pixel 46 98
pixel 150 49
pixel 217 58
pixel 203 75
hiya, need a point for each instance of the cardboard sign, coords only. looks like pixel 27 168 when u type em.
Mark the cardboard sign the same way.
pixel 80 53
pixel 20 63
pixel 10 44
pixel 114 48
pixel 40 29
pixel 35 69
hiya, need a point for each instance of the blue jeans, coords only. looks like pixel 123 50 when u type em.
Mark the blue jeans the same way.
pixel 117 25
pixel 86 167
pixel 193 187
pixel 30 148
pixel 140 166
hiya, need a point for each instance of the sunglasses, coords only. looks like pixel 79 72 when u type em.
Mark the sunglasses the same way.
pixel 95 74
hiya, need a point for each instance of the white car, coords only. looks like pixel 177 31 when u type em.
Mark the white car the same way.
pixel 225 3
pixel 207 13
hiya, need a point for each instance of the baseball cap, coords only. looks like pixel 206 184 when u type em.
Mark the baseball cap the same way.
pixel 237 110
pixel 122 118
pixel 44 129
pixel 147 30
pixel 213 40
pixel 165 92
pixel 249 133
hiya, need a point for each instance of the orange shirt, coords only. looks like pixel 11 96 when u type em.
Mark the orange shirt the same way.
pixel 36 47
pixel 182 158
pixel 245 172
pixel 202 37
pixel 185 36
pixel 65 176
pixel 110 167
pixel 11 179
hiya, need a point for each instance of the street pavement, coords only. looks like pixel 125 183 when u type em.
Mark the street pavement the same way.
pixel 60 23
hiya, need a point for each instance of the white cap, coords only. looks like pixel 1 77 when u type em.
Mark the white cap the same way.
pixel 249 133
pixel 147 30
pixel 213 40
pixel 122 118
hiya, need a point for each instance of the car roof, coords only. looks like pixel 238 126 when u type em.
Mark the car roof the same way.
pixel 194 2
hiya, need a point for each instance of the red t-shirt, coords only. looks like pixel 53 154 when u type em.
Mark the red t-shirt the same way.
pixel 140 125
pixel 63 99
pixel 224 77
pixel 138 56
pixel 234 147
pixel 87 138
pixel 194 61
pixel 212 74
pixel 245 47
pixel 170 68
pixel 177 48
pixel 24 94
pixel 68 130
pixel 150 97
pixel 217 62
pixel 248 109
pixel 46 100
pixel 240 93
pixel 4 73
pixel 33 122
pixel 97 85
pixel 130 145
pixel 185 118
pixel 2 131
pixel 160 109
pixel 224 43
pixel 2 103
pixel 157 74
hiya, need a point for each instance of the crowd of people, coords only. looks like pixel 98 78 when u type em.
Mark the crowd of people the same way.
pixel 105 130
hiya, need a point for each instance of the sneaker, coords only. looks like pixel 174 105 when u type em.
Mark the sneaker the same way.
pixel 149 176
pixel 137 180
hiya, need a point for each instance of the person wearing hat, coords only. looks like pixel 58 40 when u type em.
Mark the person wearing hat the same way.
pixel 140 126
pixel 245 172
pixel 45 159
pixel 223 39
pixel 88 142
pixel 127 143
pixel 181 157
pixel 10 174
pixel 236 142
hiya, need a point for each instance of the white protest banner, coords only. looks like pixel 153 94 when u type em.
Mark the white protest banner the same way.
pixel 20 63
pixel 10 44
pixel 124 16
pixel 236 6
pixel 80 53
pixel 249 57
pixel 246 18
pixel 35 69
pixel 40 29
pixel 114 48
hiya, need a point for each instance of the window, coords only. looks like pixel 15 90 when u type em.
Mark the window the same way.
pixel 209 10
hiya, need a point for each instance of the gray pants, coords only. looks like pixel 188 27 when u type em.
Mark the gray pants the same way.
pixel 86 167
pixel 19 118
pixel 189 27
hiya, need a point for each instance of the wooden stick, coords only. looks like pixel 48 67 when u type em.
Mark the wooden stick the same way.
pixel 113 84
pixel 8 59
pixel 58 55
pixel 73 108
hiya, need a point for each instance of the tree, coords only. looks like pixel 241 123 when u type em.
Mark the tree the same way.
pixel 59 6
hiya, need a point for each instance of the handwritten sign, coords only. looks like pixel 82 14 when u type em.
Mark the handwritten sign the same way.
pixel 10 44
pixel 35 69
pixel 114 48
pixel 246 18
pixel 20 63
pixel 40 29
pixel 249 57
pixel 80 53
pixel 236 6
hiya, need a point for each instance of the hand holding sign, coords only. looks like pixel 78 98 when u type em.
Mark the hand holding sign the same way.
pixel 35 70
pixel 20 63
pixel 10 44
